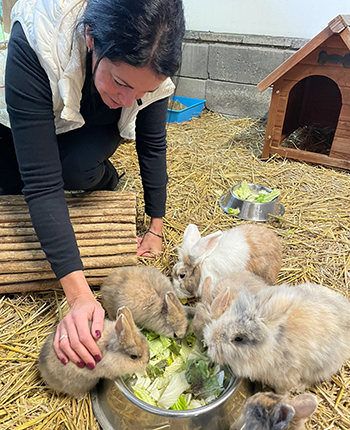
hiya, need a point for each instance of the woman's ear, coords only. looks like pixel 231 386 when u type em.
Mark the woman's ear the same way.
pixel 89 39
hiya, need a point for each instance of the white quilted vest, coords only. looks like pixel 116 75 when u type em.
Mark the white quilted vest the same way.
pixel 50 28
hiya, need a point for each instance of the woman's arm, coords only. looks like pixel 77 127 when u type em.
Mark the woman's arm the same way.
pixel 151 148
pixel 29 103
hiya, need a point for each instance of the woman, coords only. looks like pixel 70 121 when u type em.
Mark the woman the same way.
pixel 79 76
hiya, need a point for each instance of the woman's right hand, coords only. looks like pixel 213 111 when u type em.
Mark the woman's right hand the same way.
pixel 75 340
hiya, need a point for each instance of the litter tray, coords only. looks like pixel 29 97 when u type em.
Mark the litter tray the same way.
pixel 193 109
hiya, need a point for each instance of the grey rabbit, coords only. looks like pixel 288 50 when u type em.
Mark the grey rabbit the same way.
pixel 150 297
pixel 288 337
pixel 213 304
pixel 270 411
pixel 124 350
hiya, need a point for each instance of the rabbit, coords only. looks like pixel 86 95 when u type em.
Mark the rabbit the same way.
pixel 124 350
pixel 149 295
pixel 251 247
pixel 269 411
pixel 288 337
pixel 213 305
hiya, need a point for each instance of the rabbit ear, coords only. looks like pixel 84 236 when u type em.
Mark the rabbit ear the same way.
pixel 221 303
pixel 206 246
pixel 191 236
pixel 172 303
pixel 125 325
pixel 207 296
pixel 304 405
pixel 282 416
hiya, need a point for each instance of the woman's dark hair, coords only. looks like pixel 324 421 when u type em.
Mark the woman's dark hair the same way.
pixel 137 32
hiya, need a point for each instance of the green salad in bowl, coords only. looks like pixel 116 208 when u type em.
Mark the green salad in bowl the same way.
pixel 179 376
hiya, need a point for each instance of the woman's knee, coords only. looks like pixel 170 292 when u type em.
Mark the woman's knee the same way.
pixel 102 176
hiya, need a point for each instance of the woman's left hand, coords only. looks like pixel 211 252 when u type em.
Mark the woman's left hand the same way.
pixel 151 244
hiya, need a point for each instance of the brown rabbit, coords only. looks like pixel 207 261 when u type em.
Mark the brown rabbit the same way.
pixel 269 411
pixel 287 337
pixel 251 247
pixel 150 297
pixel 124 350
pixel 213 305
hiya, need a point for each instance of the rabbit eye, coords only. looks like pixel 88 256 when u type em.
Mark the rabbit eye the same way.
pixel 175 337
pixel 134 357
pixel 182 275
pixel 238 339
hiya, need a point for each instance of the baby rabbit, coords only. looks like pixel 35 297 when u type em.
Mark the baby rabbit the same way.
pixel 269 411
pixel 288 337
pixel 251 247
pixel 124 350
pixel 213 305
pixel 150 297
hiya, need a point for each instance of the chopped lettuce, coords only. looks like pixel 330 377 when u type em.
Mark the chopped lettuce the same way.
pixel 203 384
pixel 179 375
pixel 144 395
pixel 264 198
pixel 178 384
pixel 180 404
pixel 243 192
pixel 234 212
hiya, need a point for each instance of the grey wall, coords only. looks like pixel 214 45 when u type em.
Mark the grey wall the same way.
pixel 224 69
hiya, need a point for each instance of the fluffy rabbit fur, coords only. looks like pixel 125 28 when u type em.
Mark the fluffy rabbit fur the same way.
pixel 214 304
pixel 251 247
pixel 288 337
pixel 149 295
pixel 124 350
pixel 269 411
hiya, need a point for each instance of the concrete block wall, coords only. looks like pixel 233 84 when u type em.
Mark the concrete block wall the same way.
pixel 224 69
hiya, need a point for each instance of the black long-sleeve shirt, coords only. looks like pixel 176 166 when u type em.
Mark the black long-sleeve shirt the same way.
pixel 29 103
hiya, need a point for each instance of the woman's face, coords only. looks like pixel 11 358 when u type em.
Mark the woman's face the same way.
pixel 120 84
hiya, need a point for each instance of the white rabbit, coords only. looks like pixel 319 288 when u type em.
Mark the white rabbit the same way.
pixel 150 297
pixel 269 411
pixel 251 247
pixel 124 350
pixel 288 337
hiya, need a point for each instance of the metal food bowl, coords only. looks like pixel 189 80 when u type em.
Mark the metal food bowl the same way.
pixel 251 211
pixel 117 408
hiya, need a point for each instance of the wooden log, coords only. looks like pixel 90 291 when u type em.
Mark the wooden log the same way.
pixel 44 285
pixel 104 223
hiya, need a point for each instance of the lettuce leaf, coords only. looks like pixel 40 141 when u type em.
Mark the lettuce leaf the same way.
pixel 177 385
pixel 180 404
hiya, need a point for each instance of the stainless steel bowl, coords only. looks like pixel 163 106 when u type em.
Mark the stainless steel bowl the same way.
pixel 116 408
pixel 251 211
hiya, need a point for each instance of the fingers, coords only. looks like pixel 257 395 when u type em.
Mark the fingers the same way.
pixel 151 247
pixel 97 323
pixel 74 340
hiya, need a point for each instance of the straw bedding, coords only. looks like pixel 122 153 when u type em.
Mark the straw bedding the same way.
pixel 206 156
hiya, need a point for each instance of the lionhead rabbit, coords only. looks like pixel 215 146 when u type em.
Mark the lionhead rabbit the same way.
pixel 288 337
pixel 150 297
pixel 269 411
pixel 214 304
pixel 251 247
pixel 124 350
